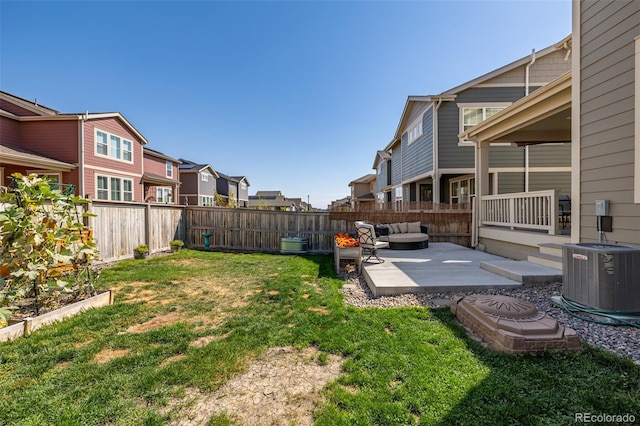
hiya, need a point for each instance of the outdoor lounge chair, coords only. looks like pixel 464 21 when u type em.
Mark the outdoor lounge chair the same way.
pixel 564 210
pixel 368 242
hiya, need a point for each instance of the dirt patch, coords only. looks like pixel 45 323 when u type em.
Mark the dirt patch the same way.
pixel 204 341
pixel 156 323
pixel 280 388
pixel 107 355
pixel 171 359
pixel 322 311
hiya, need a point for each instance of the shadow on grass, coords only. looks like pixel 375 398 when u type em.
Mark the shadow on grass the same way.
pixel 544 388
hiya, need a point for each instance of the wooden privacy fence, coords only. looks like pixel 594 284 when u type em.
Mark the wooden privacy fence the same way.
pixel 260 230
pixel 119 227
pixel 452 226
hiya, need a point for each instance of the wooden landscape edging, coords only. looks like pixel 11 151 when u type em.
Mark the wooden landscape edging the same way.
pixel 29 325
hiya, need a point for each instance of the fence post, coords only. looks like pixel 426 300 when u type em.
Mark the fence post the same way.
pixel 147 227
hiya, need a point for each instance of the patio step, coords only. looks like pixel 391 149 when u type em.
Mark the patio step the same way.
pixel 551 248
pixel 523 271
pixel 549 260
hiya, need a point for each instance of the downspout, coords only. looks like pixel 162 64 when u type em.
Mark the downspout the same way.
pixel 526 93
pixel 81 177
pixel 526 72
pixel 526 168
pixel 436 176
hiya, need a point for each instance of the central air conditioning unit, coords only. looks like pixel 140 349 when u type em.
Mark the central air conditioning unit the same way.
pixel 602 276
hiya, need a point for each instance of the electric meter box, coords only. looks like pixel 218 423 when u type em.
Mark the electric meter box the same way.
pixel 602 207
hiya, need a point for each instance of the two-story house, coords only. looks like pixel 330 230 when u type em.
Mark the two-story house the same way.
pixel 101 154
pixel 275 200
pixel 161 177
pixel 198 183
pixel 233 190
pixel 363 192
pixel 426 161
pixel 595 107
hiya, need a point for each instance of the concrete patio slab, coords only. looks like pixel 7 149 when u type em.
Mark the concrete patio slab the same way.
pixel 442 267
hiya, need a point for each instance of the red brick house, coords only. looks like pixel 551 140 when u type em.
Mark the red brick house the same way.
pixel 102 154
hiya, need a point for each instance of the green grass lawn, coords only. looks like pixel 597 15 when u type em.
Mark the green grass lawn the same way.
pixel 124 364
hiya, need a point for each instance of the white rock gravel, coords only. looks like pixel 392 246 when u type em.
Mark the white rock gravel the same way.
pixel 622 340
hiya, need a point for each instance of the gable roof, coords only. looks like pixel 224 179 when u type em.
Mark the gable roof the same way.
pixel 364 179
pixel 25 104
pixel 47 114
pixel 241 178
pixel 187 166
pixel 450 95
pixel 381 155
pixel 160 155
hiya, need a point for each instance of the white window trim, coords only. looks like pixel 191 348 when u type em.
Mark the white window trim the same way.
pixel 204 177
pixel 122 191
pixel 41 172
pixel 163 194
pixel 461 108
pixel 108 155
pixel 169 169
pixel 207 200
pixel 636 166
pixel 418 127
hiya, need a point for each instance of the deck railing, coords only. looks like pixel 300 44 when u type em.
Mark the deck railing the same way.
pixel 523 210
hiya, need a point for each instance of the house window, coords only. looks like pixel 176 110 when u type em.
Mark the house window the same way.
pixel 127 190
pixel 127 150
pixel 112 146
pixel 102 147
pixel 205 177
pixel 114 189
pixel 163 195
pixel 207 200
pixel 461 189
pixel 415 131
pixel 169 166
pixel 475 115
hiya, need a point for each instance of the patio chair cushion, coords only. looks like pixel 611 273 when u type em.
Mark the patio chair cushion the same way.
pixel 414 227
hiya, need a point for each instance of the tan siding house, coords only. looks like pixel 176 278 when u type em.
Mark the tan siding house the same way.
pixel 605 34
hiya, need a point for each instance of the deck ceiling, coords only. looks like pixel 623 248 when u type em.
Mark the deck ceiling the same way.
pixel 542 117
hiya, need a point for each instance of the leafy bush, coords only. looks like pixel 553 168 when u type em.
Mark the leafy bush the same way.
pixel 42 236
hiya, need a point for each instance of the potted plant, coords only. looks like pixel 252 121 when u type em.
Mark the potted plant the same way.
pixel 176 245
pixel 141 251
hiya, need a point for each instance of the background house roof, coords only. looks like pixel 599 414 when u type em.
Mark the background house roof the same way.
pixel 158 154
pixel 24 157
pixel 187 166
pixel 364 179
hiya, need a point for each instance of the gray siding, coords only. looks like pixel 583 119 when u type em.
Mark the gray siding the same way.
pixel 506 156
pixel 207 188
pixel 418 156
pixel 450 155
pixel 541 181
pixel 381 179
pixel 550 155
pixel 396 162
pixel 510 182
pixel 607 32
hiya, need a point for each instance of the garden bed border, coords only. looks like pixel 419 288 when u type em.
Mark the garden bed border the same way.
pixel 29 325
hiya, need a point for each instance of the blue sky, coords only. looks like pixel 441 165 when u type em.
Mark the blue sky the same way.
pixel 296 95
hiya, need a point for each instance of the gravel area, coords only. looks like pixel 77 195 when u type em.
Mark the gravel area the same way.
pixel 622 340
